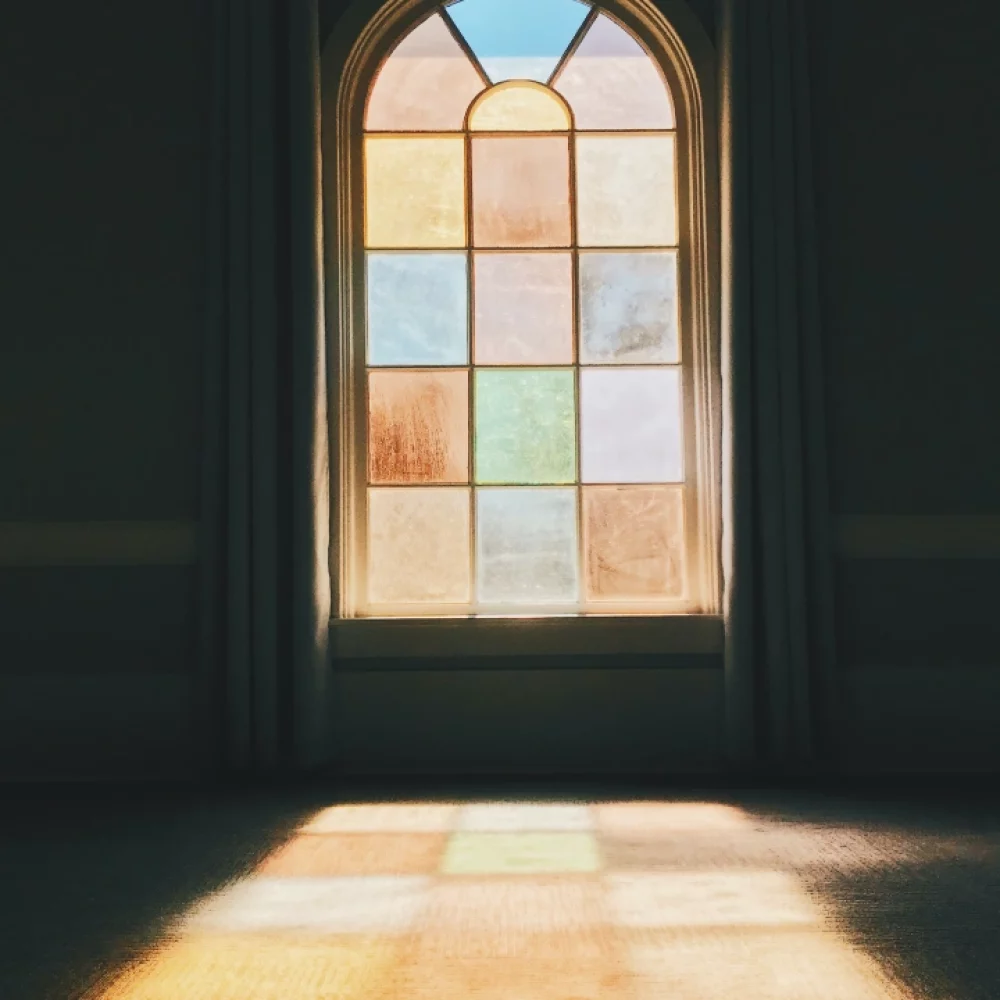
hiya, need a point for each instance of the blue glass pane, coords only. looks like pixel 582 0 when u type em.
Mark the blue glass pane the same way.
pixel 526 547
pixel 417 309
pixel 518 39
pixel 628 308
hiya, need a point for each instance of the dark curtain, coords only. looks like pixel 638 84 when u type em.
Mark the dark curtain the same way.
pixel 265 525
pixel 779 641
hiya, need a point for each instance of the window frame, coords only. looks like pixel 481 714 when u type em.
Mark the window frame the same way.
pixel 680 47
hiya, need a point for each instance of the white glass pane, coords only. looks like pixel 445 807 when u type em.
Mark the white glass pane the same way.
pixel 526 546
pixel 630 425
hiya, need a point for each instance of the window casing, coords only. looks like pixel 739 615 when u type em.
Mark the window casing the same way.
pixel 697 345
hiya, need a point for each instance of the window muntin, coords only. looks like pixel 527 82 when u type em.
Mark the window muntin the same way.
pixel 567 490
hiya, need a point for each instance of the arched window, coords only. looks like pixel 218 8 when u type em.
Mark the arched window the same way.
pixel 529 415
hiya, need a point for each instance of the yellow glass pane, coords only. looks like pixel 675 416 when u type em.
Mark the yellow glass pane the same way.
pixel 426 84
pixel 418 545
pixel 519 107
pixel 626 190
pixel 415 191
pixel 520 191
pixel 633 537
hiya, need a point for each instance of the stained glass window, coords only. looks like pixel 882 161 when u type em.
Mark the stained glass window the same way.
pixel 523 386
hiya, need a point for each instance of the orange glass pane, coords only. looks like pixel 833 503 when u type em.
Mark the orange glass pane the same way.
pixel 524 309
pixel 612 83
pixel 415 191
pixel 626 190
pixel 633 542
pixel 427 83
pixel 418 427
pixel 519 107
pixel 520 191
pixel 418 545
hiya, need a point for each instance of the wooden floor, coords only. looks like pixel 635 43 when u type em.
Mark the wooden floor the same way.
pixel 510 894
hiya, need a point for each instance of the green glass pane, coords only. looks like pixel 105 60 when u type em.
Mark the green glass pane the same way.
pixel 525 426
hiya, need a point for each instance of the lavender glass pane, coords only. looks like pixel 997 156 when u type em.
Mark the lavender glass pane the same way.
pixel 524 309
pixel 518 39
pixel 628 307
pixel 520 191
pixel 630 425
pixel 626 190
pixel 525 426
pixel 426 84
pixel 417 309
pixel 526 546
pixel 418 545
pixel 611 82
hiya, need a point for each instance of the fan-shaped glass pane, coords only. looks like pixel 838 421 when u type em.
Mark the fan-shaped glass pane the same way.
pixel 611 82
pixel 518 39
pixel 519 107
pixel 426 84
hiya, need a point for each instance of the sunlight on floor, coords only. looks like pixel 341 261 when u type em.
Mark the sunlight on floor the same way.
pixel 515 901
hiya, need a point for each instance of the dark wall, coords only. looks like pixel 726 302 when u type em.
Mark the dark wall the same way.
pixel 100 378
pixel 100 381
pixel 907 154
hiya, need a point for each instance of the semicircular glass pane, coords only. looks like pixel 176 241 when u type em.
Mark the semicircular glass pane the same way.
pixel 519 107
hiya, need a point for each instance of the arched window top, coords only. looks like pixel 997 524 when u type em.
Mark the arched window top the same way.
pixel 603 73
pixel 519 106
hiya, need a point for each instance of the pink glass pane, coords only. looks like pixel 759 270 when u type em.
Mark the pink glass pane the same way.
pixel 524 309
pixel 418 545
pixel 612 83
pixel 418 427
pixel 426 84
pixel 633 542
pixel 626 190
pixel 520 191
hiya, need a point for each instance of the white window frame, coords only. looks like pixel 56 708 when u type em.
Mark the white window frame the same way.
pixel 679 45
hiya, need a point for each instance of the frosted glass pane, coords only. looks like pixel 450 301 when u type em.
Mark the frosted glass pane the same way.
pixel 625 190
pixel 524 309
pixel 415 191
pixel 628 307
pixel 611 82
pixel 519 107
pixel 630 425
pixel 418 427
pixel 518 38
pixel 520 191
pixel 418 546
pixel 427 83
pixel 633 540
pixel 417 309
pixel 526 547
pixel 525 426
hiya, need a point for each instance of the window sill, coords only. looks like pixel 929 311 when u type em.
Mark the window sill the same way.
pixel 372 638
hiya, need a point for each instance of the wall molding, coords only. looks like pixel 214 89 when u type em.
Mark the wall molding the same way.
pixel 918 536
pixel 97 543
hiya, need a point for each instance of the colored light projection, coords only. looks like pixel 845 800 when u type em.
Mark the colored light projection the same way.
pixel 523 346
pixel 531 900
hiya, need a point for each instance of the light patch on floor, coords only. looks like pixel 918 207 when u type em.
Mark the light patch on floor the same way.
pixel 517 901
